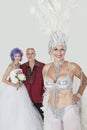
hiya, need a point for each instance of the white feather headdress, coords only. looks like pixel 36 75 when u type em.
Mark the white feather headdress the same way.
pixel 54 15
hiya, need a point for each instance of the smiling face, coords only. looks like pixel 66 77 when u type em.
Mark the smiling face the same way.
pixel 30 53
pixel 58 53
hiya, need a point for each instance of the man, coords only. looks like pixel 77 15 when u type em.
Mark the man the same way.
pixel 34 79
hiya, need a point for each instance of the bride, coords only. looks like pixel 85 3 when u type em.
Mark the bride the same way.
pixel 16 109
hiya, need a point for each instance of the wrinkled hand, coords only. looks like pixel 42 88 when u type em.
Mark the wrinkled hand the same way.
pixel 75 99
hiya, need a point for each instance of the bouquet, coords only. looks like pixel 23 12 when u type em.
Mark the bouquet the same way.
pixel 20 76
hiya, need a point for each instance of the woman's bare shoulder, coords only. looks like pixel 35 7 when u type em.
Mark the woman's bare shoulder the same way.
pixel 10 67
pixel 74 65
pixel 75 68
pixel 7 72
pixel 46 67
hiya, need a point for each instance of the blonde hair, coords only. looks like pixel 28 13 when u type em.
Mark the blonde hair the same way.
pixel 30 49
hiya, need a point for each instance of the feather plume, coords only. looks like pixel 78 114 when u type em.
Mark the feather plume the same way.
pixel 54 15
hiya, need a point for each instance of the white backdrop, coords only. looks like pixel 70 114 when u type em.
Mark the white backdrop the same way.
pixel 18 28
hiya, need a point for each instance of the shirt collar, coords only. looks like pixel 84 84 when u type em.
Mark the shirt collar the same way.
pixel 36 63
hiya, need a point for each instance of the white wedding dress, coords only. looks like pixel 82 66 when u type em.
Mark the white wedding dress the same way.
pixel 16 109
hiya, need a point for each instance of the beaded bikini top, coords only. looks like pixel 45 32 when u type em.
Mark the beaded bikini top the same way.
pixel 61 83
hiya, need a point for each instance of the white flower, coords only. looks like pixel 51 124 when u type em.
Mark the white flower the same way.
pixel 20 76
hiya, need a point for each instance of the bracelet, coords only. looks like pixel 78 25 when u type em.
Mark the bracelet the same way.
pixel 78 95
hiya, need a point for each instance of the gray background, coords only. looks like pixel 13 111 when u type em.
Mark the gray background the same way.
pixel 18 28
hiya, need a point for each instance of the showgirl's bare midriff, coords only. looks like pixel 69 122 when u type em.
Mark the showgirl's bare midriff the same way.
pixel 64 98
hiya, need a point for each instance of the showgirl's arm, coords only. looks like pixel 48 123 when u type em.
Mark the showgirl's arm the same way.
pixel 78 73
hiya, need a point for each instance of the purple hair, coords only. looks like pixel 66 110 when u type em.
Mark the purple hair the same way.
pixel 14 52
